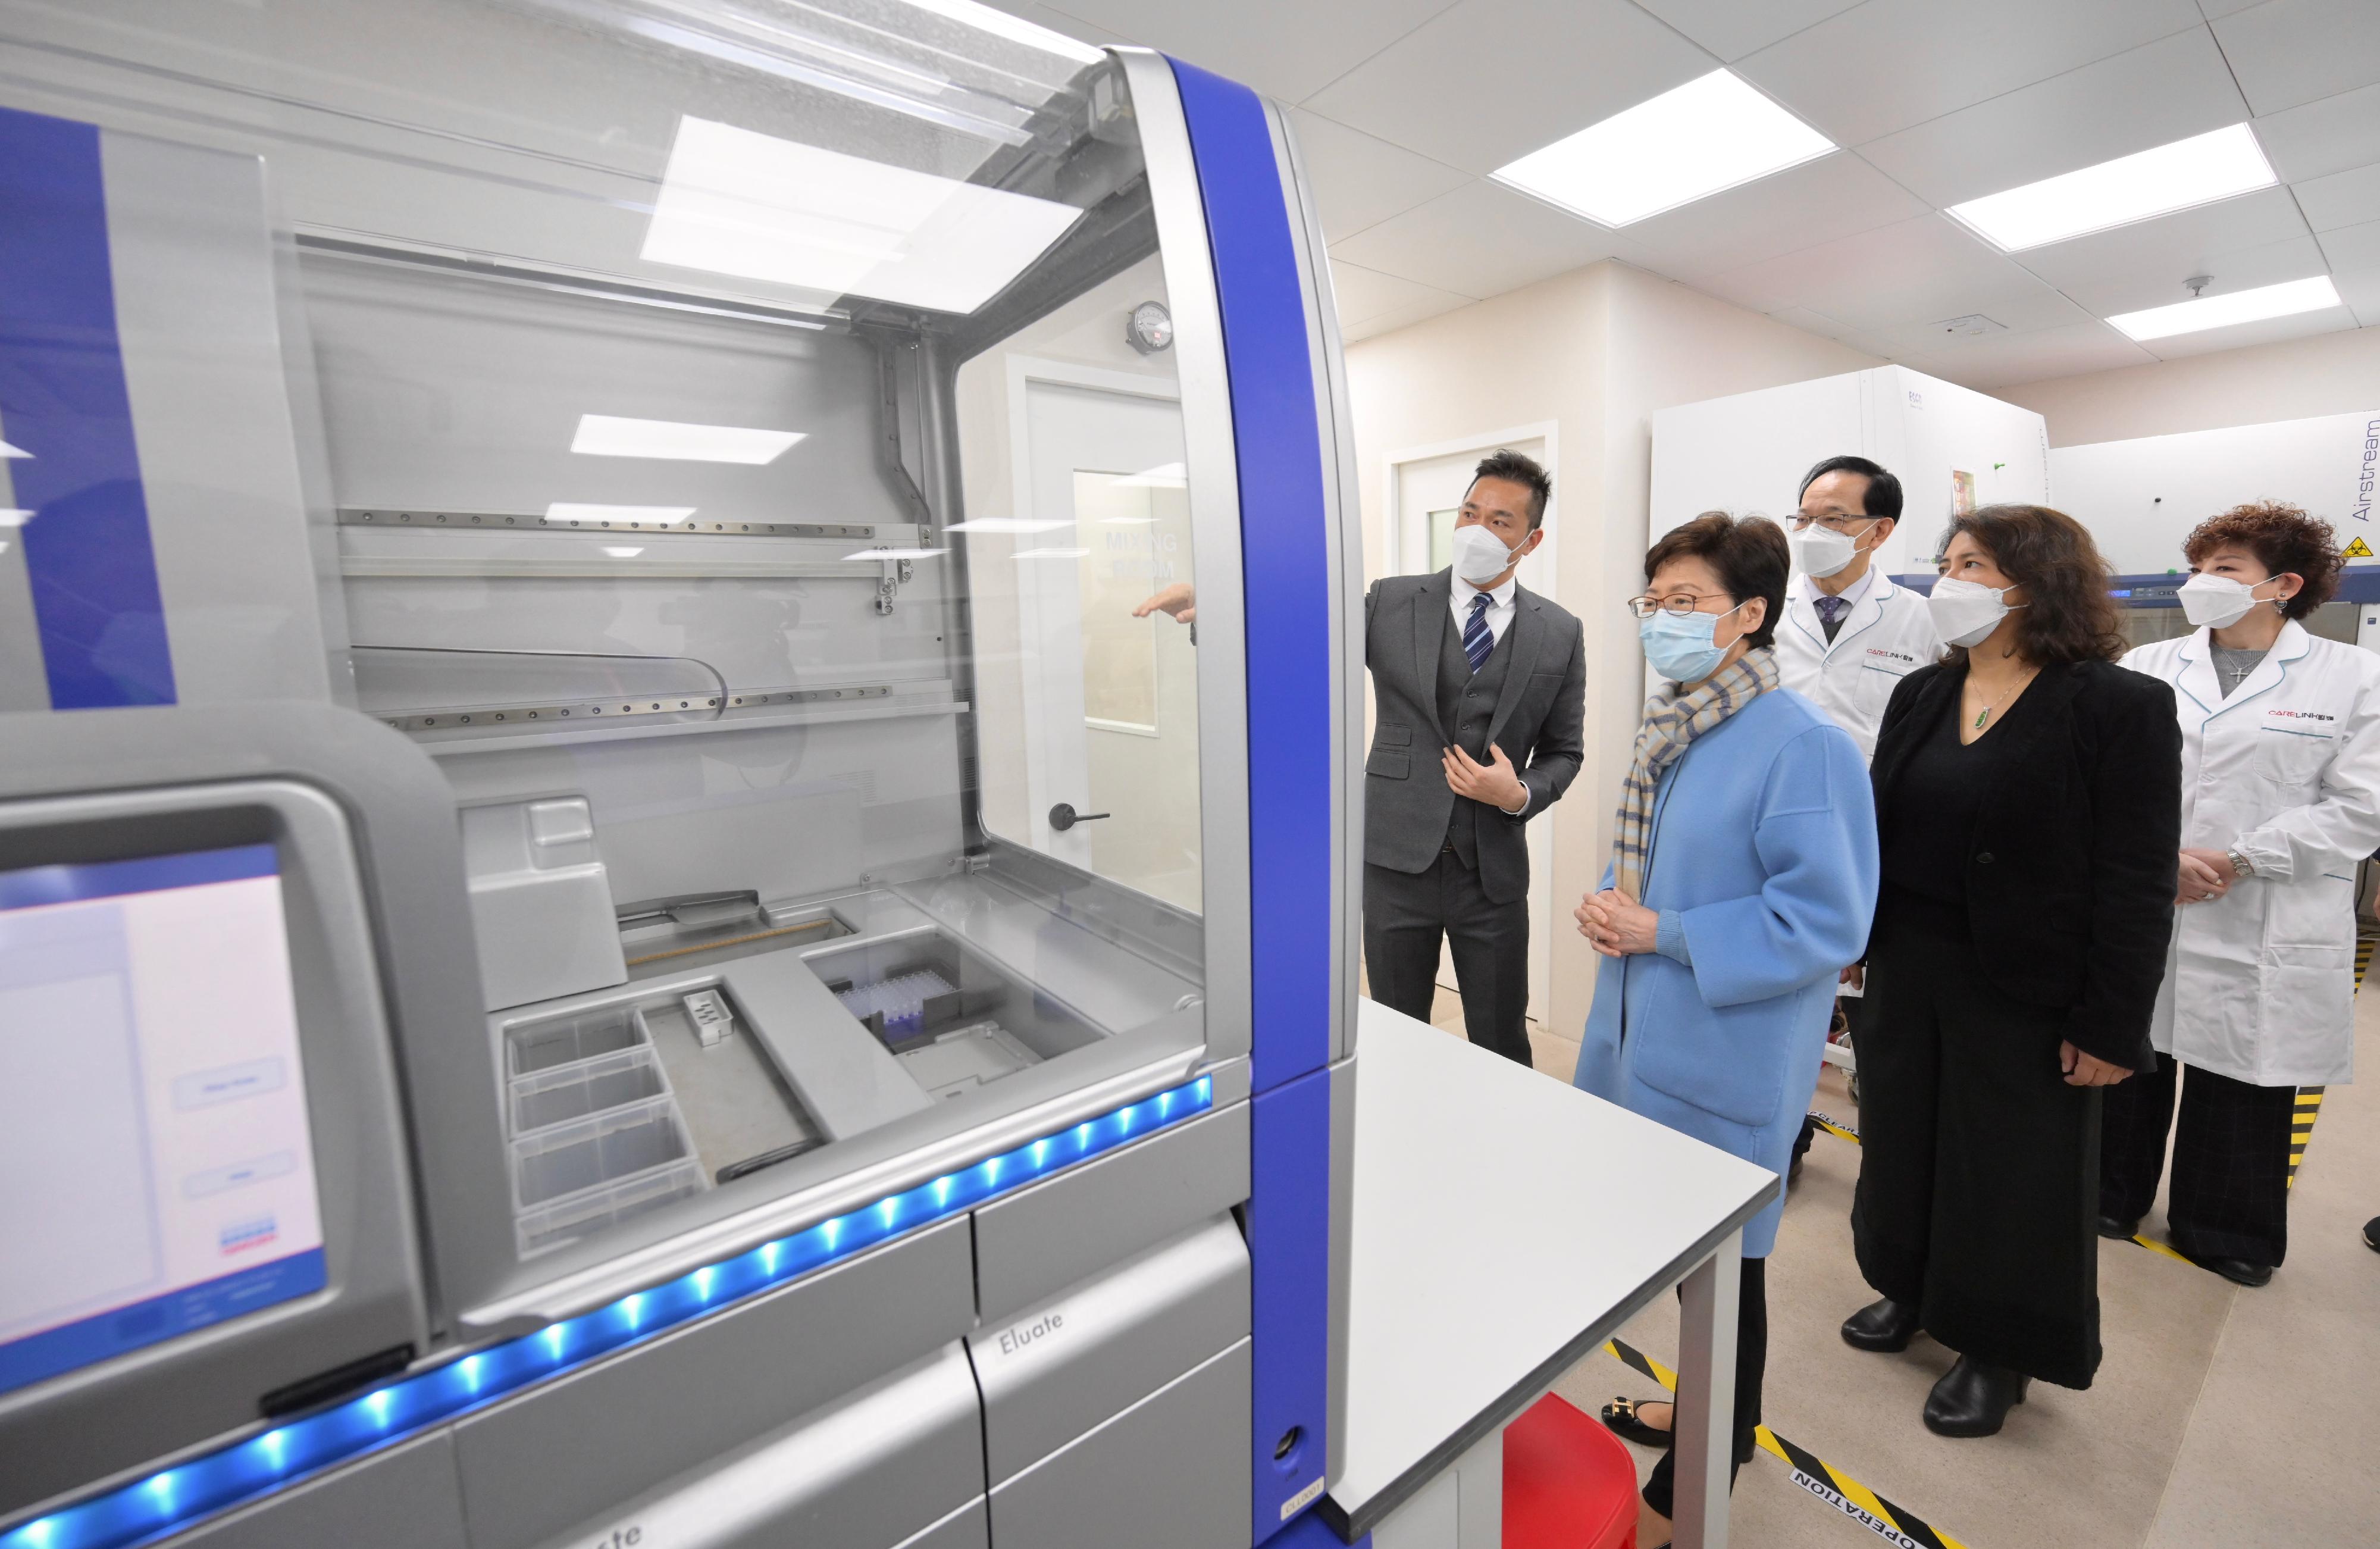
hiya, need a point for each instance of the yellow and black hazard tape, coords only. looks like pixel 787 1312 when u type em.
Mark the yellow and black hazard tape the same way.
pixel 1894 1524
pixel 2309 1108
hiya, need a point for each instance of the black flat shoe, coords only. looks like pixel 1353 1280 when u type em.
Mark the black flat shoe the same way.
pixel 1619 1415
pixel 1883 1326
pixel 2240 1272
pixel 2372 1233
pixel 2122 1231
pixel 1973 1398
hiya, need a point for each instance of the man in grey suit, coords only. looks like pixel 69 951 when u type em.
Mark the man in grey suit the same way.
pixel 1481 694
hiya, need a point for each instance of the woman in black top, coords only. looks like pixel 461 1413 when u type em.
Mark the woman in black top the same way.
pixel 2028 796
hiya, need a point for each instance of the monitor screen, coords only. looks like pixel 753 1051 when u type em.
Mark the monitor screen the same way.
pixel 156 1167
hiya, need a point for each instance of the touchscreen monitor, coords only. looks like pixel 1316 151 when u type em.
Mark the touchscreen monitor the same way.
pixel 156 1167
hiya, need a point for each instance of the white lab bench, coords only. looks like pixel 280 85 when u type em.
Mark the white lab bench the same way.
pixel 1505 1225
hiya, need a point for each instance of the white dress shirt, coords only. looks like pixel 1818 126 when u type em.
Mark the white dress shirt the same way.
pixel 1500 603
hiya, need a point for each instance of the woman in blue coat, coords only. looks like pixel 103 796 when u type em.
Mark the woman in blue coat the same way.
pixel 1743 876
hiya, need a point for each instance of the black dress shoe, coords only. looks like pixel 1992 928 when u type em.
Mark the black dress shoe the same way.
pixel 1973 1398
pixel 2240 1272
pixel 1622 1416
pixel 2122 1231
pixel 2372 1233
pixel 1884 1326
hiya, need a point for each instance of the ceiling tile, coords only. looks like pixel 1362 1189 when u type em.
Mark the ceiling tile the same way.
pixel 2322 138
pixel 1812 322
pixel 2330 320
pixel 1059 21
pixel 2342 199
pixel 2354 250
pixel 2004 358
pixel 1891 64
pixel 1731 29
pixel 1364 294
pixel 2291 52
pixel 2239 269
pixel 1400 317
pixel 1359 180
pixel 2148 96
pixel 1916 271
pixel 1285 50
pixel 2362 292
pixel 2238 241
pixel 1491 79
pixel 1479 241
pixel 1834 196
pixel 2023 314
pixel 2216 9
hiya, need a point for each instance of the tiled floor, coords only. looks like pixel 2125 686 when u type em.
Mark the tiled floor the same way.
pixel 2220 1416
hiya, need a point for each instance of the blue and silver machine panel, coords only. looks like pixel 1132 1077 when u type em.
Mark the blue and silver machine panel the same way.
pixel 716 573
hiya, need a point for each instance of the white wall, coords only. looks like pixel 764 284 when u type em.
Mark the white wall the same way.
pixel 2327 373
pixel 2140 497
pixel 1597 352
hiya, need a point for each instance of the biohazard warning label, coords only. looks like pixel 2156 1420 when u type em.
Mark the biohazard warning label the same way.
pixel 2358 550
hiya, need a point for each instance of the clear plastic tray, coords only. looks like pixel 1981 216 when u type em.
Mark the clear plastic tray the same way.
pixel 602 1149
pixel 565 1040
pixel 563 1093
pixel 567 1220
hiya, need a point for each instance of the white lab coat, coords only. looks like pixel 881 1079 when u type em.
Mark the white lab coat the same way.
pixel 2259 983
pixel 1888 635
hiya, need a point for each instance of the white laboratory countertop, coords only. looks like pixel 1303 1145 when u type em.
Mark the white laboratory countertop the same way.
pixel 1504 1223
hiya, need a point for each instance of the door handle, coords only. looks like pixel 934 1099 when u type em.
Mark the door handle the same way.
pixel 1064 816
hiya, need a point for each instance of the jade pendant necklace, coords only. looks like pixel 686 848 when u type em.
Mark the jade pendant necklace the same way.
pixel 1985 714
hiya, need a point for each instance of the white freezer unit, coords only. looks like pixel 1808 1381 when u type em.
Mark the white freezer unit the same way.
pixel 1951 448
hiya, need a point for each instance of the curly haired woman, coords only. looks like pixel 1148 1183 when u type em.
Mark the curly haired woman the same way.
pixel 2280 760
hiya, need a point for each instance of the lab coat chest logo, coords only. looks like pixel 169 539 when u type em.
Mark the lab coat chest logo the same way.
pixel 2300 716
pixel 1889 660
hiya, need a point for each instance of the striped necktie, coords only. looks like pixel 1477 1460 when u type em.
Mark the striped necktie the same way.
pixel 1478 640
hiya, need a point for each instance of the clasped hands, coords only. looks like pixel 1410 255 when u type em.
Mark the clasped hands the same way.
pixel 2203 876
pixel 1616 924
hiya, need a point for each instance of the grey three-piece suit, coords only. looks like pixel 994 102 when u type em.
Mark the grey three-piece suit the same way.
pixel 1438 863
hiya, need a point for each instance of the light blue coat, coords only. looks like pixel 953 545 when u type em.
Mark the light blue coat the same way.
pixel 1764 871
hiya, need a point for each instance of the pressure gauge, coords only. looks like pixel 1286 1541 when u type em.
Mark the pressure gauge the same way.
pixel 1151 328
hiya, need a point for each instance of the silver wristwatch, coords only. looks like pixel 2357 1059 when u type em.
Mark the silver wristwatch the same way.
pixel 2241 863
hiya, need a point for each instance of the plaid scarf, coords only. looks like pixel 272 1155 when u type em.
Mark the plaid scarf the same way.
pixel 1670 725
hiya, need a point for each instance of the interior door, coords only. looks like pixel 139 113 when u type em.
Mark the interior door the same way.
pixel 1110 700
pixel 1429 493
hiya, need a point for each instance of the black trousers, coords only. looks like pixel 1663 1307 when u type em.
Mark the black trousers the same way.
pixel 2230 1193
pixel 1751 1365
pixel 1979 1166
pixel 1405 915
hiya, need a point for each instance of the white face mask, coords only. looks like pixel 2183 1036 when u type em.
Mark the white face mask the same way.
pixel 1479 555
pixel 1965 613
pixel 2216 601
pixel 1821 551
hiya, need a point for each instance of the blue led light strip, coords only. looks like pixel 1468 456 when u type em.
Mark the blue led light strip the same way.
pixel 175 1498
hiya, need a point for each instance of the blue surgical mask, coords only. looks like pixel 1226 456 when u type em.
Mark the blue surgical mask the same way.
pixel 1680 647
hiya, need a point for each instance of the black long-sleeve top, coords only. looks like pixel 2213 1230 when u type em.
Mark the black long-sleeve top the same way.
pixel 2068 869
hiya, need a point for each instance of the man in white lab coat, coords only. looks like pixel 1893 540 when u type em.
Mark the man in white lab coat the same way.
pixel 1849 631
pixel 2280 801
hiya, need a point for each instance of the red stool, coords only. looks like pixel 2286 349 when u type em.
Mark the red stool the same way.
pixel 1569 1483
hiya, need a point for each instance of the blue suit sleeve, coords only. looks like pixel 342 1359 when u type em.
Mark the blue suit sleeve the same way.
pixel 1816 838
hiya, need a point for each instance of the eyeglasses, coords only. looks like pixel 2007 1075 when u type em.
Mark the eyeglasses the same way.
pixel 1676 606
pixel 1843 525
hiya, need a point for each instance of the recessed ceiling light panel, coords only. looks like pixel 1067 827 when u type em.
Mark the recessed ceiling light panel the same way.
pixel 2286 300
pixel 613 435
pixel 733 201
pixel 1701 139
pixel 2185 173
